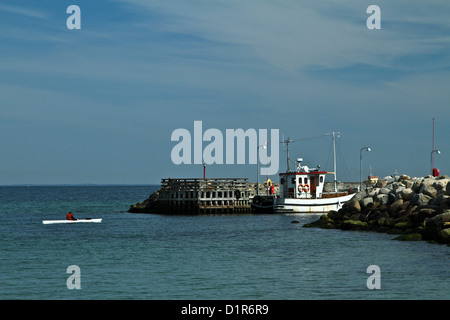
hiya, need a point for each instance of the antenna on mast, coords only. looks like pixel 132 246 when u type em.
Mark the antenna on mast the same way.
pixel 287 141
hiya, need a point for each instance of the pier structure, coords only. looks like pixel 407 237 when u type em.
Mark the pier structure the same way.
pixel 205 196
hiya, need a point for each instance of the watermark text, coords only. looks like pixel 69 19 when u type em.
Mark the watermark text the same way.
pixel 238 145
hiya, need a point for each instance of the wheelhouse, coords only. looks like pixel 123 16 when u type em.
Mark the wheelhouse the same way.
pixel 303 183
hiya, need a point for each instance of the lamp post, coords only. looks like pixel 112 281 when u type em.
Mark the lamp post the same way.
pixel 360 166
pixel 257 167
pixel 432 159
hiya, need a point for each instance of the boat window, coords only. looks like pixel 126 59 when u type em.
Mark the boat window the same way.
pixel 293 180
pixel 321 179
pixel 306 180
pixel 300 180
pixel 282 181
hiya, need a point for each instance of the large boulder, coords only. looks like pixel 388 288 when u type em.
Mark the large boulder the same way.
pixel 398 187
pixel 352 205
pixel 381 183
pixel 420 199
pixel 438 221
pixel 425 213
pixel 443 236
pixel 430 191
pixel 442 201
pixel 335 215
pixel 447 189
pixel 440 185
pixel 426 182
pixel 417 186
pixel 409 237
pixel 408 183
pixel 354 225
pixel 365 202
pixel 324 222
pixel 434 226
pixel 396 205
pixel 149 205
pixel 382 198
pixel 407 194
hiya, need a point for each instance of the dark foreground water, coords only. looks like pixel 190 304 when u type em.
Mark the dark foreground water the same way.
pixel 140 256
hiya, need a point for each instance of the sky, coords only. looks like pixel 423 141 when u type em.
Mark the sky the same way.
pixel 99 104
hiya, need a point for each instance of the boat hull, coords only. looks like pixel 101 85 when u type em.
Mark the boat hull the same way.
pixel 314 206
pixel 72 221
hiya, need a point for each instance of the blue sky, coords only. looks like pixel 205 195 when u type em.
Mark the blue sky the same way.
pixel 99 105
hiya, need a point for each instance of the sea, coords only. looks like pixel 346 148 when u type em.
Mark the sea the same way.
pixel 210 257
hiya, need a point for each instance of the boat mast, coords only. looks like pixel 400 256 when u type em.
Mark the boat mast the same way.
pixel 287 141
pixel 334 157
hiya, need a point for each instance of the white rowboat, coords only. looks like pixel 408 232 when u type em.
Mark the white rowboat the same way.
pixel 71 221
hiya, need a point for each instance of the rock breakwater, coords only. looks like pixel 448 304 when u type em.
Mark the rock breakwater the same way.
pixel 412 208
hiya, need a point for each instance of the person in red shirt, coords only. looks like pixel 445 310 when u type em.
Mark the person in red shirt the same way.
pixel 70 216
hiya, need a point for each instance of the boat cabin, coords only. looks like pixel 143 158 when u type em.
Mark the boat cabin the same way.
pixel 303 183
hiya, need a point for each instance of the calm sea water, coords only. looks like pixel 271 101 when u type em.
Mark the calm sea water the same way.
pixel 242 257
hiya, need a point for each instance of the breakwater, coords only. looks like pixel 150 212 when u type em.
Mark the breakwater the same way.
pixel 412 208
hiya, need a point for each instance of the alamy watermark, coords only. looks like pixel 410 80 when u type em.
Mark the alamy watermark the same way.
pixel 74 20
pixel 74 280
pixel 374 21
pixel 218 151
pixel 374 281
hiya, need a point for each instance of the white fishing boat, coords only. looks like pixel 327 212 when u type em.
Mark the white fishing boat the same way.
pixel 72 221
pixel 302 190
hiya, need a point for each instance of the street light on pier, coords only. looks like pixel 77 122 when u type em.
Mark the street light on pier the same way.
pixel 257 166
pixel 360 165
pixel 432 159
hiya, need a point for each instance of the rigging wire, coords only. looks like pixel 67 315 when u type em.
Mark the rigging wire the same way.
pixel 329 155
pixel 288 140
pixel 345 170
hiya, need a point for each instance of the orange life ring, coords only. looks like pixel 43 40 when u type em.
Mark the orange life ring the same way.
pixel 306 188
pixel 300 188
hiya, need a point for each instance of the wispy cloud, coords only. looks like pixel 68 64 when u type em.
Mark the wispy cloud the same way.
pixel 30 13
pixel 291 35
